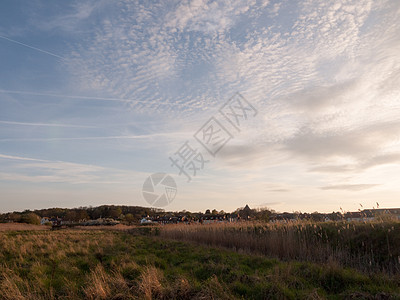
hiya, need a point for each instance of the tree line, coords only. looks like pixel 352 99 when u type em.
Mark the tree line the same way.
pixel 133 214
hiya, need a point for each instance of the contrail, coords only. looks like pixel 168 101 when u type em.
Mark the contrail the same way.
pixel 20 158
pixel 34 48
pixel 82 97
pixel 44 124
pixel 88 138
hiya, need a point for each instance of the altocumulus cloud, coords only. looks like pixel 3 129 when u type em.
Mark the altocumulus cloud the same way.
pixel 324 76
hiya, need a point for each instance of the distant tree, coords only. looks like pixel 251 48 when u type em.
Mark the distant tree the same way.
pixel 129 218
pixel 214 212
pixel 53 212
pixel 316 216
pixel 82 214
pixel 208 212
pixel 97 212
pixel 70 216
pixel 115 212
pixel 30 218
pixel 14 217
pixel 188 214
pixel 263 215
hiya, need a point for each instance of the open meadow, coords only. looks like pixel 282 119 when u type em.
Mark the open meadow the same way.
pixel 191 262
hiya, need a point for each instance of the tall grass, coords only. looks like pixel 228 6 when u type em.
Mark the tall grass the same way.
pixel 80 264
pixel 371 247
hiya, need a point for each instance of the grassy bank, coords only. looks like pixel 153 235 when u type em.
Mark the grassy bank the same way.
pixel 77 264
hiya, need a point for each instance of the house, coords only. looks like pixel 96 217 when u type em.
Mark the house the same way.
pixel 101 221
pixel 146 221
pixel 382 212
pixel 210 219
pixel 246 213
pixel 44 221
pixel 372 214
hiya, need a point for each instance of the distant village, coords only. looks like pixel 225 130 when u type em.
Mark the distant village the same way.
pixel 109 215
pixel 248 214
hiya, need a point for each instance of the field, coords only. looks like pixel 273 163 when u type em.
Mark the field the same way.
pixel 122 264
pixel 21 227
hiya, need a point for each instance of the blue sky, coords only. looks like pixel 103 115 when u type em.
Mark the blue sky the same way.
pixel 97 95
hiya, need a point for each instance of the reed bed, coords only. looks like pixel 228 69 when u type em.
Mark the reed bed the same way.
pixel 369 246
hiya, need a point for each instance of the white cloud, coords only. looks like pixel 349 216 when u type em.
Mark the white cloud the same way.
pixel 26 169
pixel 349 187
pixel 325 77
pixel 207 16
pixel 70 22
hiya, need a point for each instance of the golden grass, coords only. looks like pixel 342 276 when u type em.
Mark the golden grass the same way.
pixel 21 227
pixel 150 283
pixel 55 248
pixel 118 227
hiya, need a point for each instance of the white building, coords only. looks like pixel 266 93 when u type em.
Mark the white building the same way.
pixel 44 221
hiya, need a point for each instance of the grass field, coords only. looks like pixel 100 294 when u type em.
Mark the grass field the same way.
pixel 21 227
pixel 98 264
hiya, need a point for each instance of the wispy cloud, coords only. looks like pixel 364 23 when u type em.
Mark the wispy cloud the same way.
pixel 26 169
pixel 349 187
pixel 3 156
pixel 72 21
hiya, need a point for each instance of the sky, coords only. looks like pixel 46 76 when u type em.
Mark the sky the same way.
pixel 290 105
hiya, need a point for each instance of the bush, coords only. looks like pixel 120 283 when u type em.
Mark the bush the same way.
pixel 30 218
